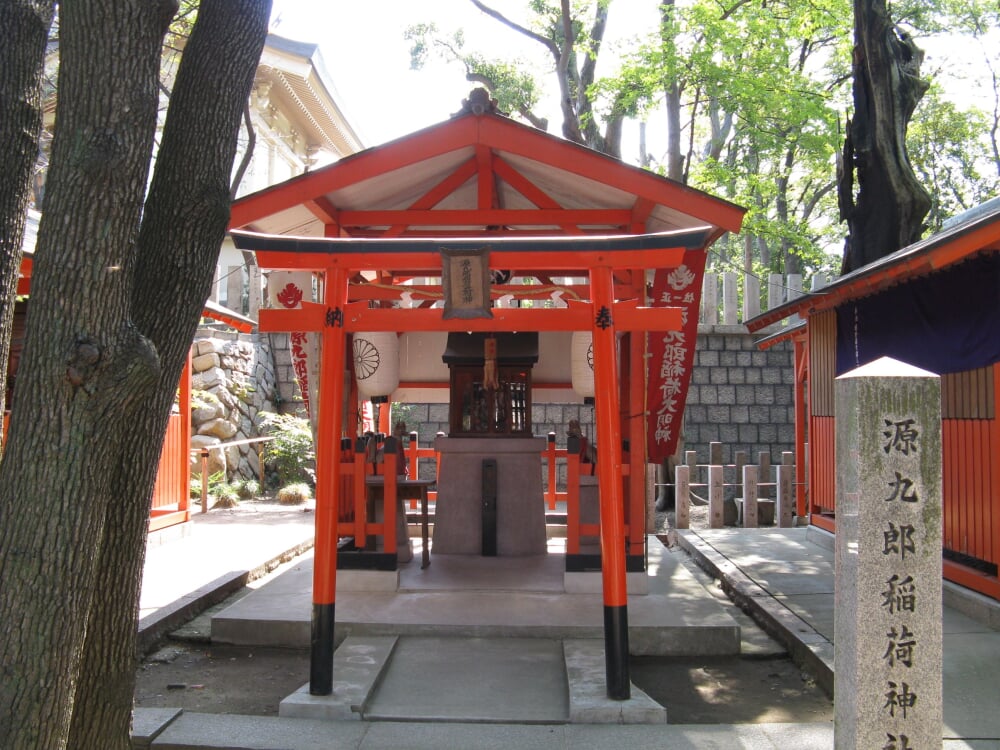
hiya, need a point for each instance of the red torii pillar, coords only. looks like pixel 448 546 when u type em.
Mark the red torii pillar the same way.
pixel 607 414
pixel 328 473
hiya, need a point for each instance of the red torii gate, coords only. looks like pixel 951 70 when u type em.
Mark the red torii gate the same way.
pixel 338 259
pixel 544 207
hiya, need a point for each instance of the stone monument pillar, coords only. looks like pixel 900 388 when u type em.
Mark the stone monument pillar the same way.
pixel 887 623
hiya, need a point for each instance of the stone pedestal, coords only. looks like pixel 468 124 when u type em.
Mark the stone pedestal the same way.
pixel 520 524
pixel 888 559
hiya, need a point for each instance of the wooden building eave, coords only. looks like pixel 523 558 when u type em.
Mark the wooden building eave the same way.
pixel 953 245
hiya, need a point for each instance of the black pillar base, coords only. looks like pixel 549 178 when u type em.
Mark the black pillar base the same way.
pixel 321 650
pixel 616 652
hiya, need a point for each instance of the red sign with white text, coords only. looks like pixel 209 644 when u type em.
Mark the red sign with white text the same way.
pixel 672 354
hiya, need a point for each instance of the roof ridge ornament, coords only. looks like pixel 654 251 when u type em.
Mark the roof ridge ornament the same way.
pixel 479 103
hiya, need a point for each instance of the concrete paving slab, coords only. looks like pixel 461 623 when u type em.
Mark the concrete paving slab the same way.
pixel 970 665
pixel 226 732
pixel 971 651
pixel 696 737
pixel 521 598
pixel 815 609
pixel 234 732
pixel 954 621
pixel 588 695
pixel 399 735
pixel 358 665
pixel 149 723
pixel 517 680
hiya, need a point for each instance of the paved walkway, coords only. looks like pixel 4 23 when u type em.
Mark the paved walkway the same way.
pixel 225 549
pixel 192 567
pixel 785 577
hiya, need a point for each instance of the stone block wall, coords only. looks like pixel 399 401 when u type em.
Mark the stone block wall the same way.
pixel 233 380
pixel 740 396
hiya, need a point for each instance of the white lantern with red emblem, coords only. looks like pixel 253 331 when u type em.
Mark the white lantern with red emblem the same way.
pixel 376 363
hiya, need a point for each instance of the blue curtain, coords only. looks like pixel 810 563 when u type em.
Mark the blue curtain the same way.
pixel 945 322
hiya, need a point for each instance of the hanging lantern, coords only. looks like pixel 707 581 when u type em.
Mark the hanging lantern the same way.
pixel 376 363
pixel 582 363
pixel 288 289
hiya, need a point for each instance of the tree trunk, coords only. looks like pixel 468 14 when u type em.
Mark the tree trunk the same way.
pixel 85 367
pixel 672 96
pixel 188 207
pixel 891 204
pixel 24 30
pixel 113 313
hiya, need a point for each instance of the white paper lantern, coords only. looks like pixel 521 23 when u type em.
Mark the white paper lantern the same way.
pixel 376 363
pixel 582 363
pixel 288 289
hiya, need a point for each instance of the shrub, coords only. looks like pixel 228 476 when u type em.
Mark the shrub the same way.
pixel 290 455
pixel 214 481
pixel 248 489
pixel 226 496
pixel 294 494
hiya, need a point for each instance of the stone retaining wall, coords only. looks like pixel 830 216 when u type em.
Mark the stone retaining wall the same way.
pixel 233 381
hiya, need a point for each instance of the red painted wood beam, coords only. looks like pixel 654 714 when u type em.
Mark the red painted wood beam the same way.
pixel 447 186
pixel 523 185
pixel 610 217
pixel 486 198
pixel 357 316
pixel 323 209
pixel 425 144
pixel 363 290
pixel 505 135
pixel 429 263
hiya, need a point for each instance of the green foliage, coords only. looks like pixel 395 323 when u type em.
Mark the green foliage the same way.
pixel 290 457
pixel 951 156
pixel 214 481
pixel 247 489
pixel 201 398
pixel 241 390
pixel 226 496
pixel 515 90
pixel 294 494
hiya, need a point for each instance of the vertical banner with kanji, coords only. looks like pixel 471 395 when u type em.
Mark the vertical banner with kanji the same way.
pixel 288 289
pixel 672 353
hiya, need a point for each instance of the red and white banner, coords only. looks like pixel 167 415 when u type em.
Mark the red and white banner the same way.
pixel 672 353
pixel 287 289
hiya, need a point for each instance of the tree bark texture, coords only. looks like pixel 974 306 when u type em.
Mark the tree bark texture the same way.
pixel 888 210
pixel 187 208
pixel 24 30
pixel 114 310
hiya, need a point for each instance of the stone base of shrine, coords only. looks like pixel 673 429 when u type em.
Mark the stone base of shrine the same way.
pixel 518 520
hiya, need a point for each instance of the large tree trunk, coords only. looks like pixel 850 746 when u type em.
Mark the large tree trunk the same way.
pixel 891 204
pixel 113 314
pixel 85 367
pixel 188 207
pixel 24 30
